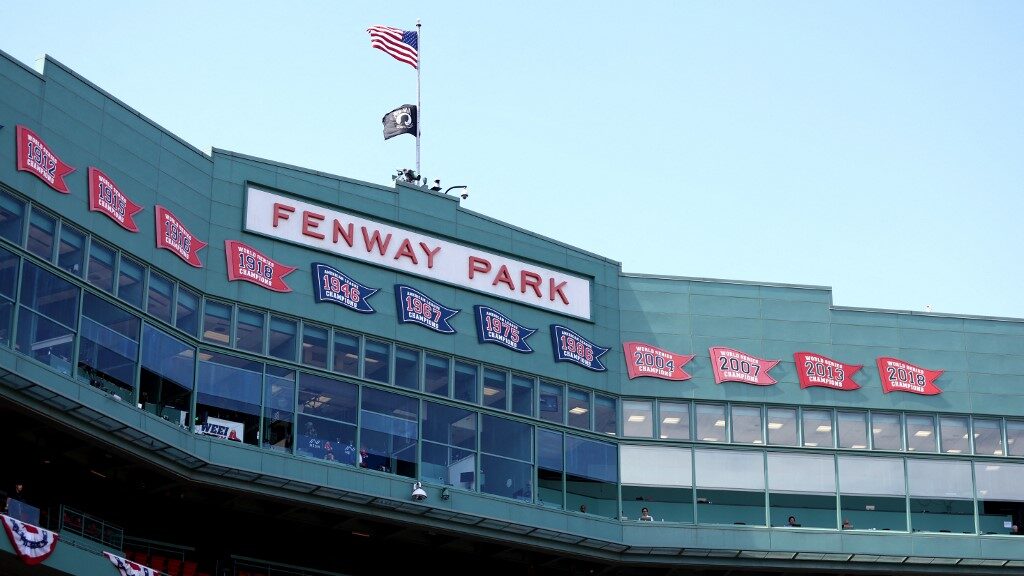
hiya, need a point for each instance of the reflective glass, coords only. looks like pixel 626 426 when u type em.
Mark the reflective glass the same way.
pixel 579 408
pixel 495 389
pixel 436 372
pixel 109 348
pixel 249 330
pixel 853 430
pixel 920 433
pixel 802 486
pixel 464 382
pixel 48 318
pixel 885 431
pixel 12 217
pixel 506 457
pixel 167 376
pixel 730 487
pixel 161 294
pixel 8 277
pixel 217 322
pixel 817 428
pixel 782 426
pixel 956 437
pixel 129 281
pixel 658 478
pixel 941 496
pixel 988 437
pixel 710 423
pixel 638 418
pixel 1000 494
pixel 605 414
pixel 41 230
pixel 407 368
pixel 346 353
pixel 187 305
pixel 228 399
pixel 746 425
pixel 282 338
pixel 674 420
pixel 314 346
pixel 550 470
pixel 551 402
pixel 71 251
pixel 388 433
pixel 522 395
pixel 279 408
pixel 592 472
pixel 1015 437
pixel 449 446
pixel 101 266
pixel 873 492
pixel 377 361
pixel 327 419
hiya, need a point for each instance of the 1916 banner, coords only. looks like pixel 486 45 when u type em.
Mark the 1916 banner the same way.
pixel 734 366
pixel 418 308
pixel 247 263
pixel 333 285
pixel 172 235
pixel 900 376
pixel 36 157
pixel 571 347
pixel 105 197
pixel 646 360
pixel 493 326
pixel 817 370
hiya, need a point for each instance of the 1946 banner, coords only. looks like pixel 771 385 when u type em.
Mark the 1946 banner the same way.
pixel 36 157
pixel 172 235
pixel 900 376
pixel 646 360
pixel 105 197
pixel 333 285
pixel 817 370
pixel 571 347
pixel 493 326
pixel 734 366
pixel 249 264
pixel 418 308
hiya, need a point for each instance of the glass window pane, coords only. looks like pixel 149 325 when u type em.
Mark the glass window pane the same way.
pixel 885 431
pixel 47 318
pixel 71 252
pixel 605 414
pixel 504 437
pixel 522 395
pixel 782 426
pixel 579 408
pixel 109 347
pixel 988 437
pixel 853 430
pixel 12 217
pixel 873 492
pixel 161 294
pixel 449 445
pixel 436 372
pixel 956 436
pixel 407 368
pixel 50 295
pixel 941 496
pixel 346 353
pixel 711 422
pixel 920 433
pixel 217 322
pixel 802 487
pixel 282 339
pixel 101 266
pixel 279 408
pixel 665 490
pixel 167 376
pixel 1015 437
pixel 730 487
pixel 550 470
pixel 314 346
pixel 8 272
pixel 249 330
pixel 388 433
pixel 187 305
pixel 377 361
pixel 592 471
pixel 464 384
pixel 674 420
pixel 327 398
pixel 551 402
pixel 746 424
pixel 229 394
pixel 129 286
pixel 495 387
pixel 818 428
pixel 1000 496
pixel 638 418
pixel 41 230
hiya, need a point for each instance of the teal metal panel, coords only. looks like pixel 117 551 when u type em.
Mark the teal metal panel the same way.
pixel 995 326
pixel 994 343
pixel 725 327
pixel 63 97
pixel 931 339
pixel 639 284
pixel 795 311
pixel 730 307
pixel 863 318
pixel 995 363
pixel 652 325
pixel 724 288
pixel 863 335
pixel 797 332
pixel 820 295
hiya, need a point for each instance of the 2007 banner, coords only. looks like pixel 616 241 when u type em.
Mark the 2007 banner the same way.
pixel 734 366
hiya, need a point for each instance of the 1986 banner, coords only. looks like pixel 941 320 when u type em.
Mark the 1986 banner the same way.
pixel 571 347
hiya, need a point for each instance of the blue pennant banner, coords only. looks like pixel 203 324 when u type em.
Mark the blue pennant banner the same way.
pixel 416 307
pixel 493 326
pixel 571 347
pixel 332 285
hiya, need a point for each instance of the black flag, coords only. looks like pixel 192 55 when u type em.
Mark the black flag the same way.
pixel 401 120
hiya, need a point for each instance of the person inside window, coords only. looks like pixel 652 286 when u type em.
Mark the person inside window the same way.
pixel 645 515
pixel 792 521
pixel 583 508
pixel 846 524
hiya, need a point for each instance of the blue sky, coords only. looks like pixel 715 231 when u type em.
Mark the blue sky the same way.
pixel 876 147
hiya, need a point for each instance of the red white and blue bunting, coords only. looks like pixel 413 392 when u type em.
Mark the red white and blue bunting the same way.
pixel 128 568
pixel 33 544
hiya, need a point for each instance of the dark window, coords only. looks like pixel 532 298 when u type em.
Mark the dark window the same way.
pixel 12 217
pixel 506 461
pixel 606 415
pixel 167 376
pixel 8 277
pixel 48 317
pixel 522 395
pixel 187 304
pixel 550 470
pixel 314 346
pixel 592 470
pixel 388 433
pixel 279 408
pixel 71 251
pixel 101 266
pixel 109 348
pixel 464 385
pixel 449 446
pixel 282 338
pixel 435 380
pixel 551 402
pixel 407 368
pixel 250 329
pixel 327 419
pixel 495 389
pixel 129 286
pixel 41 230
pixel 228 402
pixel 377 361
pixel 346 353
pixel 217 322
pixel 161 295
pixel 579 408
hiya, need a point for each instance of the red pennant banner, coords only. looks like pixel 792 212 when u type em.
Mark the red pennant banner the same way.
pixel 172 235
pixel 105 197
pixel 900 376
pixel 126 567
pixel 817 370
pixel 32 543
pixel 36 157
pixel 646 360
pixel 249 264
pixel 735 366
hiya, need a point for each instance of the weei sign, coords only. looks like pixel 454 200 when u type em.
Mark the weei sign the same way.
pixel 336 232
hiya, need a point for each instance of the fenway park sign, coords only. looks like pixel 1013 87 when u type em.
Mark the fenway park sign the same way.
pixel 359 238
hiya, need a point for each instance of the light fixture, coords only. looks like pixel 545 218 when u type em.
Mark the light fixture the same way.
pixel 811 444
pixel 578 410
pixel 824 428
pixel 445 493
pixel 720 423
pixel 637 418
pixel 923 433
pixel 858 446
pixel 671 420
pixel 465 190
pixel 774 425
pixel 418 493
pixel 954 451
pixel 488 391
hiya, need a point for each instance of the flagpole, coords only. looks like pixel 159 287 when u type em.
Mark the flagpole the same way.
pixel 419 105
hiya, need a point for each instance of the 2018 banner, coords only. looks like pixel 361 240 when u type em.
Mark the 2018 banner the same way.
pixel 900 376
pixel 172 235
pixel 333 285
pixel 646 360
pixel 105 197
pixel 817 370
pixel 249 264
pixel 35 156
pixel 734 366
pixel 418 308
pixel 493 326
pixel 571 347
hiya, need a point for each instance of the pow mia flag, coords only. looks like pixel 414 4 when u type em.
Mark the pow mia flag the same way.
pixel 401 120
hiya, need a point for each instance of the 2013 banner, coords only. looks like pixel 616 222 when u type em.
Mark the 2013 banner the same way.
pixel 333 285
pixel 418 308
pixel 35 156
pixel 900 376
pixel 734 366
pixel 571 347
pixel 817 370
pixel 646 360
pixel 493 326
pixel 105 197
pixel 247 263
pixel 172 235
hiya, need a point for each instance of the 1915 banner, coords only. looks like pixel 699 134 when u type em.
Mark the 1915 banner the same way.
pixel 105 197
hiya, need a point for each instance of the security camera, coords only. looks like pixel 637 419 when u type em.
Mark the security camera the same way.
pixel 418 493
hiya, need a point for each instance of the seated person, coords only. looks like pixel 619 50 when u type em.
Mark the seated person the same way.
pixel 846 524
pixel 792 522
pixel 645 515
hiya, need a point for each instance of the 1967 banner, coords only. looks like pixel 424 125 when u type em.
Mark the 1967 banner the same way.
pixel 249 264
pixel 418 308
pixel 817 370
pixel 571 347
pixel 646 360
pixel 900 376
pixel 734 366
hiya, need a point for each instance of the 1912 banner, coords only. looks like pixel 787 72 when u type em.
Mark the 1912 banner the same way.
pixel 900 376
pixel 571 347
pixel 247 263
pixel 817 370
pixel 734 366
pixel 105 197
pixel 646 360
pixel 36 157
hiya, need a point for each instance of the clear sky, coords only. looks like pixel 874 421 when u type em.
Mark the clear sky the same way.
pixel 876 147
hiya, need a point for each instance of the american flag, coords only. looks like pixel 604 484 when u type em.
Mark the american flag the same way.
pixel 400 44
